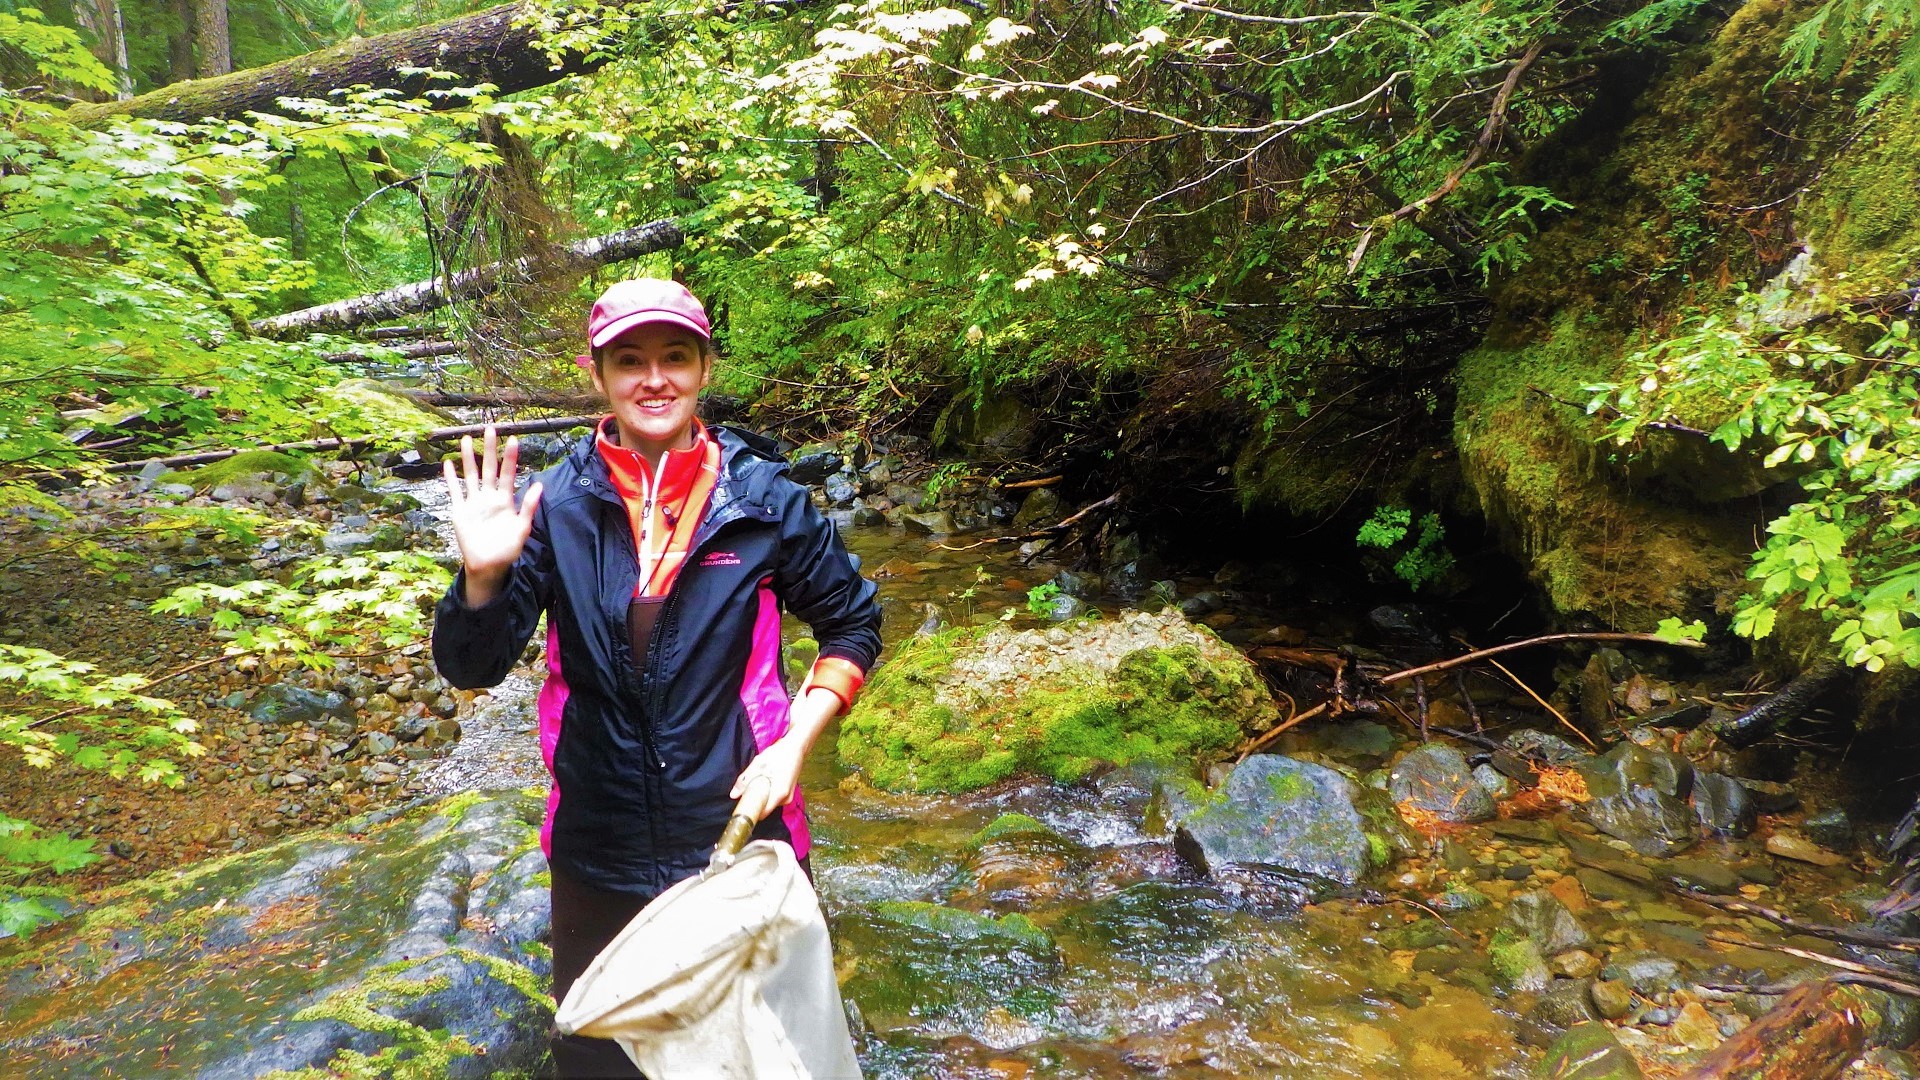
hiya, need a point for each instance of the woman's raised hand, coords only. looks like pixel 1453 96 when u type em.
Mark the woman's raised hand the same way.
pixel 489 529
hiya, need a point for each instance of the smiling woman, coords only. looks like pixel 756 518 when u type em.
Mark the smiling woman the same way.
pixel 664 698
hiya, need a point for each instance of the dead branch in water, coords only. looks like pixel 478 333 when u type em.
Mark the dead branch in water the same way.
pixel 1339 666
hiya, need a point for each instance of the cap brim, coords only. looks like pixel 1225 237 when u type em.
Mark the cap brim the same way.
pixel 627 322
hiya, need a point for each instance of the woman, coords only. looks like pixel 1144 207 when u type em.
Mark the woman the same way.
pixel 662 552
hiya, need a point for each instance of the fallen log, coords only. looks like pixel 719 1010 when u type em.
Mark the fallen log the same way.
pixel 419 351
pixel 1342 701
pixel 1814 1033
pixel 1792 702
pixel 500 45
pixel 477 281
pixel 399 333
pixel 1544 639
pixel 1847 935
pixel 446 434
pixel 576 401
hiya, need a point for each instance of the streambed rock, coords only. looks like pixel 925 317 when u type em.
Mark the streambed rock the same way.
pixel 1435 778
pixel 284 957
pixel 962 709
pixel 1274 810
pixel 1640 796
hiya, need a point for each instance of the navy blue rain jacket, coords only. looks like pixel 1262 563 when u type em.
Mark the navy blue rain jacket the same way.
pixel 643 756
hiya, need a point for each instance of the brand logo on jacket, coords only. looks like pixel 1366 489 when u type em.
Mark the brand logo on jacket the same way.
pixel 720 558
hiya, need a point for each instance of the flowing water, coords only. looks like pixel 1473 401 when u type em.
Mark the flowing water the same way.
pixel 1144 965
pixel 1092 950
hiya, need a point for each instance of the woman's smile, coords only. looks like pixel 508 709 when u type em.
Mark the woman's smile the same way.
pixel 652 376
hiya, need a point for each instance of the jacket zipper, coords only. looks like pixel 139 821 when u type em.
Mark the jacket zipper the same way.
pixel 665 623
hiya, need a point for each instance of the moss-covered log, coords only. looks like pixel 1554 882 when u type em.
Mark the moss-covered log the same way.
pixel 498 46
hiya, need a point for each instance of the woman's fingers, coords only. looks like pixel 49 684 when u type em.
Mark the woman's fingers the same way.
pixel 469 472
pixel 455 495
pixel 509 462
pixel 489 463
pixel 529 502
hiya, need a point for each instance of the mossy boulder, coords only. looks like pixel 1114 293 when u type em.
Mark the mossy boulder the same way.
pixel 359 949
pixel 969 707
pixel 257 466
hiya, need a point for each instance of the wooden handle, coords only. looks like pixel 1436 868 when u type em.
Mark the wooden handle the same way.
pixel 746 814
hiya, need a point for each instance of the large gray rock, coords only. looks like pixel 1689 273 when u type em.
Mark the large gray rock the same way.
pixel 998 428
pixel 937 523
pixel 1546 746
pixel 1435 778
pixel 282 959
pixel 814 463
pixel 1723 805
pixel 1640 796
pixel 1275 811
pixel 842 489
pixel 1040 507
pixel 1541 918
pixel 285 703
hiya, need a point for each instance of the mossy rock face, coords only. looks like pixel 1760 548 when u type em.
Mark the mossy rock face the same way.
pixel 959 925
pixel 408 948
pixel 251 464
pixel 967 708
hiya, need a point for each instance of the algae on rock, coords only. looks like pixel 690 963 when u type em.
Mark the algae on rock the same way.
pixel 967 708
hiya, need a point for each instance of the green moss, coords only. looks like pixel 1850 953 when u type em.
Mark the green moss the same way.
pixel 1156 704
pixel 1287 786
pixel 416 1054
pixel 1861 216
pixel 455 807
pixel 1595 542
pixel 1465 897
pixel 1385 828
pixel 240 466
pixel 960 925
pixel 1514 956
pixel 536 989
pixel 1010 825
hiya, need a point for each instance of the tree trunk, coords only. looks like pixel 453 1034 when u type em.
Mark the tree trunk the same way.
pixel 479 281
pixel 212 44
pixel 180 42
pixel 421 350
pixel 101 20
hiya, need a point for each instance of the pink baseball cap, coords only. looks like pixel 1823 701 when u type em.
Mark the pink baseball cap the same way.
pixel 627 304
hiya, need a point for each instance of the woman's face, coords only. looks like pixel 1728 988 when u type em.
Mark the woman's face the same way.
pixel 652 376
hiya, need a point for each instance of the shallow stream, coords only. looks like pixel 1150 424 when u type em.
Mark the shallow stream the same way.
pixel 1126 960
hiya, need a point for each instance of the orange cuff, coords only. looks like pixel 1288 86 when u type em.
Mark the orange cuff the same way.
pixel 839 677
